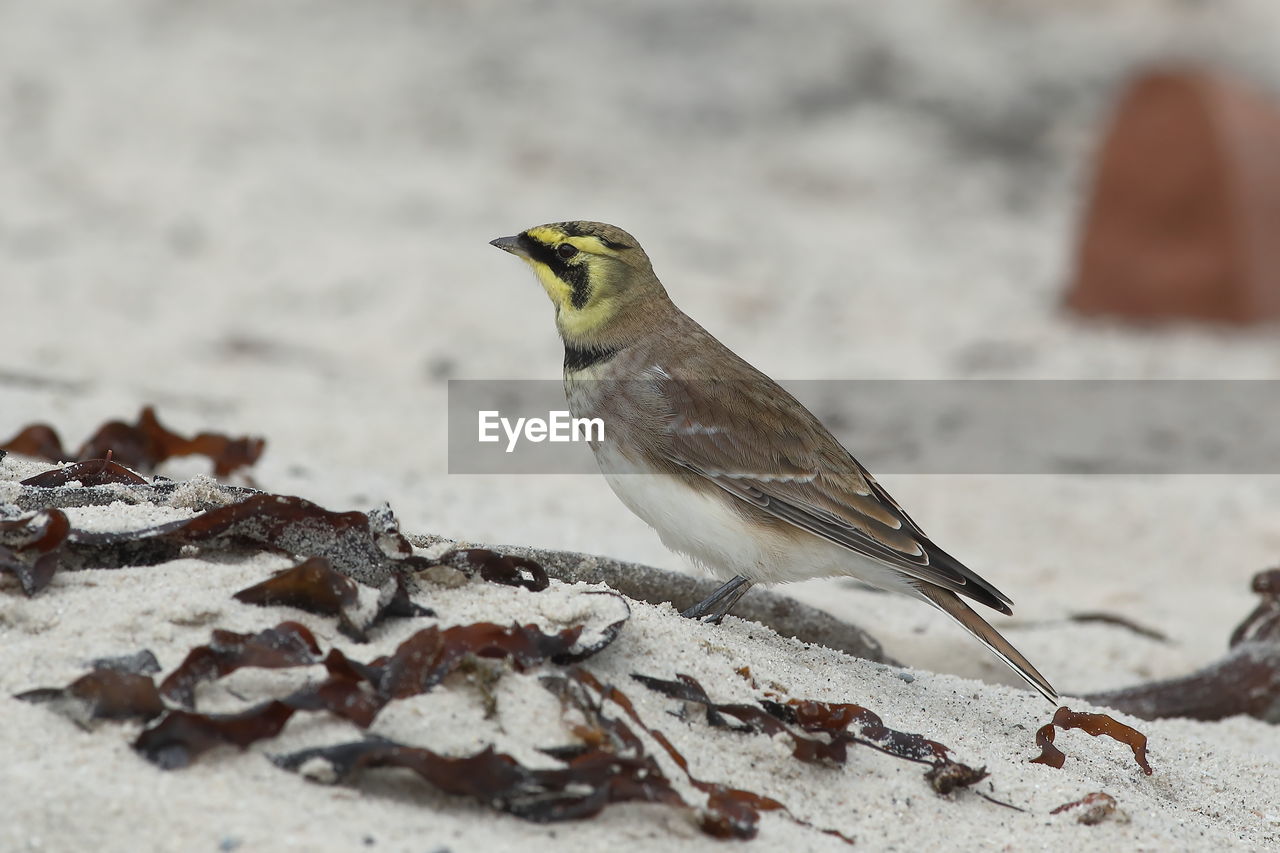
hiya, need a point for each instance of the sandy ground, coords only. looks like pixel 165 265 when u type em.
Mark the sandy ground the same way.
pixel 274 221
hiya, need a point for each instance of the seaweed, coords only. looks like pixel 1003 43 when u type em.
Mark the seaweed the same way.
pixel 589 781
pixel 366 546
pixel 91 472
pixel 31 548
pixel 181 736
pixel 504 569
pixel 103 694
pixel 834 721
pixel 1094 724
pixel 314 586
pixel 352 690
pixel 422 661
pixel 142 445
pixel 729 812
pixel 40 441
pixel 288 644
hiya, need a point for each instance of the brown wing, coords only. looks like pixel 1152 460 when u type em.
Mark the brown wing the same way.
pixel 782 460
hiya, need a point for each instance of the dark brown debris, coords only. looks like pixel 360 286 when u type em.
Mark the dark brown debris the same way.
pixel 1094 724
pixel 582 788
pixel 289 644
pixel 40 441
pixel 496 568
pixel 833 725
pixel 182 736
pixel 92 472
pixel 104 694
pixel 1094 808
pixel 142 446
pixel 1245 681
pixel 729 812
pixel 422 661
pixel 366 546
pixel 314 586
pixel 351 690
pixel 31 548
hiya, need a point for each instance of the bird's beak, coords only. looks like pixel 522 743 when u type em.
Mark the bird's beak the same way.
pixel 510 244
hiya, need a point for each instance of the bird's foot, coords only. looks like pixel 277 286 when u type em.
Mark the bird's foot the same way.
pixel 717 605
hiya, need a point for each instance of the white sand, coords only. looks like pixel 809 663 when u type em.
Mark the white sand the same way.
pixel 274 221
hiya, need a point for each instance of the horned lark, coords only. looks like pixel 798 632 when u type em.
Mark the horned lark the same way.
pixel 723 463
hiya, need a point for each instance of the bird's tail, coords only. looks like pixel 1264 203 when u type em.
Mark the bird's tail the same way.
pixel 949 603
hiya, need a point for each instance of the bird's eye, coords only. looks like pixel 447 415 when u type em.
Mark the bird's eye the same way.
pixel 566 251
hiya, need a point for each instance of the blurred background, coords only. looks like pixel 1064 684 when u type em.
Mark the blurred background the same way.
pixel 273 219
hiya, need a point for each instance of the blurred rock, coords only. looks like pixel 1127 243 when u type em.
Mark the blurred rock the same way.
pixel 1185 206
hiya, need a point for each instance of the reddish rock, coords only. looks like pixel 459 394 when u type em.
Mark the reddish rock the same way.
pixel 1184 222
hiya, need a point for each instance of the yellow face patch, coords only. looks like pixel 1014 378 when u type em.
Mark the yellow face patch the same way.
pixel 558 289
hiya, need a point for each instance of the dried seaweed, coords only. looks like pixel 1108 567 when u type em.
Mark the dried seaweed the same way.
pixel 366 546
pixel 832 720
pixel 349 692
pixel 181 736
pixel 143 445
pixel 1245 681
pixel 288 644
pixel 104 694
pixel 581 789
pixel 1097 807
pixel 1094 724
pixel 729 812
pixel 422 661
pixel 92 472
pixel 314 586
pixel 31 548
pixel 496 568
pixel 40 441
pixel 352 690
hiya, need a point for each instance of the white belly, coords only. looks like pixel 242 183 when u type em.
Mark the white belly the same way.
pixel 695 524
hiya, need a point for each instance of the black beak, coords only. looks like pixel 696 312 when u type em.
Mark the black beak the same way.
pixel 509 244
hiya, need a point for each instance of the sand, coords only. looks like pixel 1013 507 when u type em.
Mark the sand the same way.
pixel 274 221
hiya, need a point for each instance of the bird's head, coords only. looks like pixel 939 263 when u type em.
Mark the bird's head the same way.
pixel 595 274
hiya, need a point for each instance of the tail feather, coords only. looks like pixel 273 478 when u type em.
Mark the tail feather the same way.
pixel 949 603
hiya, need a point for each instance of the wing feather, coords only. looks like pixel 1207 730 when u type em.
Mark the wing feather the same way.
pixel 783 461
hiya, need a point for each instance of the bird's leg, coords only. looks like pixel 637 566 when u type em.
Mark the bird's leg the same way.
pixel 717 605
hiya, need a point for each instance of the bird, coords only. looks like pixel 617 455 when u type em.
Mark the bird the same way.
pixel 722 462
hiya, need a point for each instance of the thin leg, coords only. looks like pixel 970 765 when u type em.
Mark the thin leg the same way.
pixel 717 605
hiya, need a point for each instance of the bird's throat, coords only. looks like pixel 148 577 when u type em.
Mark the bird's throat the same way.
pixel 578 359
